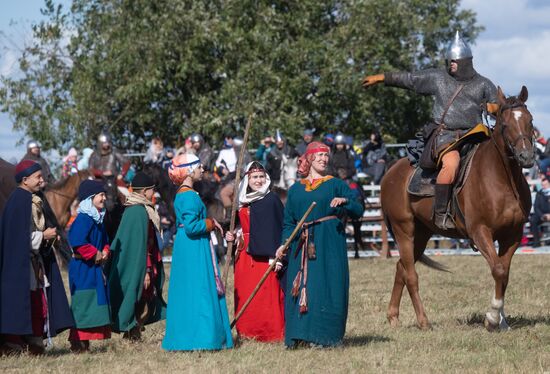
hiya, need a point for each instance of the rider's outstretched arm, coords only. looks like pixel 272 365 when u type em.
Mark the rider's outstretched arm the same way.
pixel 371 80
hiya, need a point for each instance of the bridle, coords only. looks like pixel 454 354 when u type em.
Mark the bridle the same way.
pixel 503 126
pixel 511 147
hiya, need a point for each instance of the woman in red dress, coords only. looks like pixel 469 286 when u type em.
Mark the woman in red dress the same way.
pixel 261 217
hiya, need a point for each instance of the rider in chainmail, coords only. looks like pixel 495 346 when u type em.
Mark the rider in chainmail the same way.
pixel 106 161
pixel 203 151
pixel 458 92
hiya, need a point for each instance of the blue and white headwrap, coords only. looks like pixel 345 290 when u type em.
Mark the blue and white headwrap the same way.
pixel 87 207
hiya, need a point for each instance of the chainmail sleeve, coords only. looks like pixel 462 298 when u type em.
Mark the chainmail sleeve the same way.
pixel 490 91
pixel 423 82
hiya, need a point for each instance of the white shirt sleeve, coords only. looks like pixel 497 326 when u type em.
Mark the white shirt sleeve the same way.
pixel 36 239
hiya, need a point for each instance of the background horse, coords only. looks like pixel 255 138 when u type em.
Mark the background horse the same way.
pixel 495 201
pixel 7 182
pixel 63 193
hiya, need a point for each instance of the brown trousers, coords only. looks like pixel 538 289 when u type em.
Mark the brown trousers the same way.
pixel 449 168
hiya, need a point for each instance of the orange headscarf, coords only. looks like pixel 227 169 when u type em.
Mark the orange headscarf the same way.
pixel 304 162
pixel 182 166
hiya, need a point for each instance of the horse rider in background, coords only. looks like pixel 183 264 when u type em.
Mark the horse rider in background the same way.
pixel 107 161
pixel 459 93
pixel 33 154
pixel 202 150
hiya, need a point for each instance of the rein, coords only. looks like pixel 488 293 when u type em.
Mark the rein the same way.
pixel 60 194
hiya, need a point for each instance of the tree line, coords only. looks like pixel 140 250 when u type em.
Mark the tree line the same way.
pixel 168 68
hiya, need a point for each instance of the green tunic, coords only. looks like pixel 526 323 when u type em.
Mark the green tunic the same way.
pixel 126 271
pixel 324 322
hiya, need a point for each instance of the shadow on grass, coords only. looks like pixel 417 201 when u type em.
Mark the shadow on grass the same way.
pixel 515 322
pixel 59 351
pixel 357 341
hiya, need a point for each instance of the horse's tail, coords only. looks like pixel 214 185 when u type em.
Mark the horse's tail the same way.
pixel 433 264
pixel 423 259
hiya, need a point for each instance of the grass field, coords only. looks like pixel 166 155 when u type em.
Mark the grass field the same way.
pixel 455 303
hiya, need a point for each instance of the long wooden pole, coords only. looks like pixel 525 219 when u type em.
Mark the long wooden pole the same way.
pixel 270 268
pixel 229 256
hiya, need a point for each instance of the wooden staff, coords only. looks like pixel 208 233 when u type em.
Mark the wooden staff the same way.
pixel 229 257
pixel 270 268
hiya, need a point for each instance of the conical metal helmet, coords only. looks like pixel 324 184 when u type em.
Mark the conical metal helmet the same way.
pixel 278 136
pixel 104 138
pixel 197 138
pixel 340 138
pixel 458 49
pixel 32 144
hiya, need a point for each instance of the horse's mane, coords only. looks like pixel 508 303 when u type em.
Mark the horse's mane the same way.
pixel 61 184
pixel 512 101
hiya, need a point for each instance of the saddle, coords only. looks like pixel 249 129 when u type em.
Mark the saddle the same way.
pixel 422 182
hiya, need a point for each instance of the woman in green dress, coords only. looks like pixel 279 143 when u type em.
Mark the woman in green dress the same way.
pixel 317 291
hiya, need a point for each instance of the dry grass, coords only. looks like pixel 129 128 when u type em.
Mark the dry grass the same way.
pixel 455 304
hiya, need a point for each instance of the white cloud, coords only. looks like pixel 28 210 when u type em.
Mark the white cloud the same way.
pixel 514 50
pixel 509 18
pixel 8 62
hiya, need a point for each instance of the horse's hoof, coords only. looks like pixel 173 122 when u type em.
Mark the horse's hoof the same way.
pixel 489 326
pixel 394 321
pixel 425 326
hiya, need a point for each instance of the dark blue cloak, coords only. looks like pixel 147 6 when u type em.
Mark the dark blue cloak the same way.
pixel 15 246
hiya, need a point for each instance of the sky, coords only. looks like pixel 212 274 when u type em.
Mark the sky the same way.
pixel 514 50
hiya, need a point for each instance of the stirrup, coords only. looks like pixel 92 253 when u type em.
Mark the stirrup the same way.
pixel 444 221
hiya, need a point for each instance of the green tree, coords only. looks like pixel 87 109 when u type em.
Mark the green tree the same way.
pixel 168 68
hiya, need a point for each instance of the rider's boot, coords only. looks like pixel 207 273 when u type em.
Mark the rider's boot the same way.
pixel 442 195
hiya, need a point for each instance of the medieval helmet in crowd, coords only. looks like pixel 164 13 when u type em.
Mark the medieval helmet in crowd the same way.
pixel 104 138
pixel 340 138
pixel 237 141
pixel 197 138
pixel 458 49
pixel 279 137
pixel 32 144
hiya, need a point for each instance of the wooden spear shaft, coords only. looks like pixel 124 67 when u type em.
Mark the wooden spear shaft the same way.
pixel 270 268
pixel 229 257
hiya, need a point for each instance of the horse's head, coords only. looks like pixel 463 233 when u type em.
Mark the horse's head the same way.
pixel 515 124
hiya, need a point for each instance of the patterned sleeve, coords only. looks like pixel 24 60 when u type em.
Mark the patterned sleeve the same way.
pixel 490 92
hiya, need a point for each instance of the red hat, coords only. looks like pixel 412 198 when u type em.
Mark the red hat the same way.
pixel 26 168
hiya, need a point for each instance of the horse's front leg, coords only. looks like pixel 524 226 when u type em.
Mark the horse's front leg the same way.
pixel 507 248
pixel 500 266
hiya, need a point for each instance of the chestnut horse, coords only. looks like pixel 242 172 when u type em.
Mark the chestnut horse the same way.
pixel 62 194
pixel 495 201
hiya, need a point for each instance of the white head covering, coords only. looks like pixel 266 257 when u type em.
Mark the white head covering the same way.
pixel 248 198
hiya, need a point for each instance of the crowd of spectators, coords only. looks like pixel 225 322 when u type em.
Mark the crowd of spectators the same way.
pixel 356 163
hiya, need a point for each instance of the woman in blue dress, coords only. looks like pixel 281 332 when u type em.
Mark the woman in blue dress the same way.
pixel 196 317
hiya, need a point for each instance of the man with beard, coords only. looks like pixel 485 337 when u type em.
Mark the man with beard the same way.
pixel 458 92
